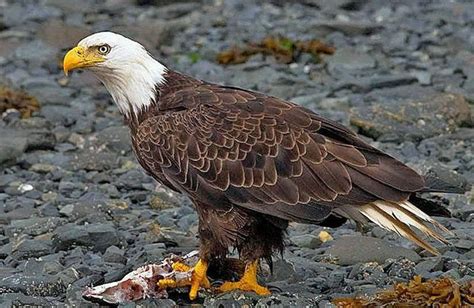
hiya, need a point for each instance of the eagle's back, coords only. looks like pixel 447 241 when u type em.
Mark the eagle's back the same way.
pixel 262 152
pixel 226 147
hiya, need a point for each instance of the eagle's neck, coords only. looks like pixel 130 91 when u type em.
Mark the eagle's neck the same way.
pixel 133 85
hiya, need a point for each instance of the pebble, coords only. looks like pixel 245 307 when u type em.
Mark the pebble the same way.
pixel 33 226
pixel 12 145
pixel 347 59
pixel 31 249
pixel 306 241
pixel 114 254
pixel 96 236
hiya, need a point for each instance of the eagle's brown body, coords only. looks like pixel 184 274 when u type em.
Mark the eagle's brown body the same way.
pixel 251 163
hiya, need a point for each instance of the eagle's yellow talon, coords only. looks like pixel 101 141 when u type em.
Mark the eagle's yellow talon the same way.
pixel 199 278
pixel 248 282
pixel 167 283
pixel 181 267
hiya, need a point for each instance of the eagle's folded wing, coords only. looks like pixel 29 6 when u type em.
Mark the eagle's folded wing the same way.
pixel 228 145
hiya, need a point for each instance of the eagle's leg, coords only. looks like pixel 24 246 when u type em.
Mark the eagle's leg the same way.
pixel 262 237
pixel 248 282
pixel 209 250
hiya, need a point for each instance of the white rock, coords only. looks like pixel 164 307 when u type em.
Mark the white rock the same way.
pixel 23 188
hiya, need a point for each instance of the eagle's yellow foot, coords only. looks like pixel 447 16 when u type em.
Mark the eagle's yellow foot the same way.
pixel 248 282
pixel 198 279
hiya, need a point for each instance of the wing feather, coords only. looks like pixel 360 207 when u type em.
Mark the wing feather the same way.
pixel 265 154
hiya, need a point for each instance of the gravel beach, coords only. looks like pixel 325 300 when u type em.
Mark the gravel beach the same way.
pixel 77 210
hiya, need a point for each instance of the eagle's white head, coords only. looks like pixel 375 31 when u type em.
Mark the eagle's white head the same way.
pixel 127 70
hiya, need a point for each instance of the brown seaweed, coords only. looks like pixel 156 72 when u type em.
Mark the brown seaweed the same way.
pixel 282 48
pixel 19 100
pixel 441 292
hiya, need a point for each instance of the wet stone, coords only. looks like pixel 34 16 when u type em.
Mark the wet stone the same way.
pixel 356 249
pixel 427 266
pixel 413 119
pixel 114 254
pixel 31 249
pixel 33 226
pixel 97 236
pixel 12 145
pixel 346 59
pixel 38 285
pixel 306 241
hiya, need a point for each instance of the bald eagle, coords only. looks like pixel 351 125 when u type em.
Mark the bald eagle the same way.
pixel 251 163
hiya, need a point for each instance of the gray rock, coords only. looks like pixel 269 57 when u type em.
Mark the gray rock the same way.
pixel 59 115
pixel 42 168
pixel 40 140
pixel 18 299
pixel 464 244
pixel 114 254
pixel 342 4
pixel 154 302
pixel 366 84
pixel 306 240
pixel 68 275
pixel 287 300
pixel 115 138
pixel 35 52
pixel 14 143
pixel 61 35
pixel 33 226
pixel 6 179
pixel 335 278
pixel 413 119
pixel 31 249
pixel 346 27
pixel 51 94
pixel 402 268
pixel 424 78
pixel 283 271
pixel 96 236
pixel 445 179
pixel 310 99
pixel 132 179
pixel 230 300
pixel 452 273
pixel 12 146
pixel 360 249
pixel 347 59
pixel 368 273
pixel 3 240
pixel 427 266
pixel 69 189
pixel 92 161
pixel 19 213
pixel 38 285
pixel 103 236
pixel 20 13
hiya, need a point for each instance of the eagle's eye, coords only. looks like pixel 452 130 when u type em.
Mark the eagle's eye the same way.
pixel 104 49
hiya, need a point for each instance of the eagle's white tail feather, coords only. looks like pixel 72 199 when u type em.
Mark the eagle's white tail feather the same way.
pixel 397 217
pixel 419 213
pixel 406 216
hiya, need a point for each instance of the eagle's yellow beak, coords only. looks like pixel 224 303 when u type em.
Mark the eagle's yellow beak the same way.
pixel 79 57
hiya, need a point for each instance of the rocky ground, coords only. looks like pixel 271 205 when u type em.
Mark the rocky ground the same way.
pixel 76 209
